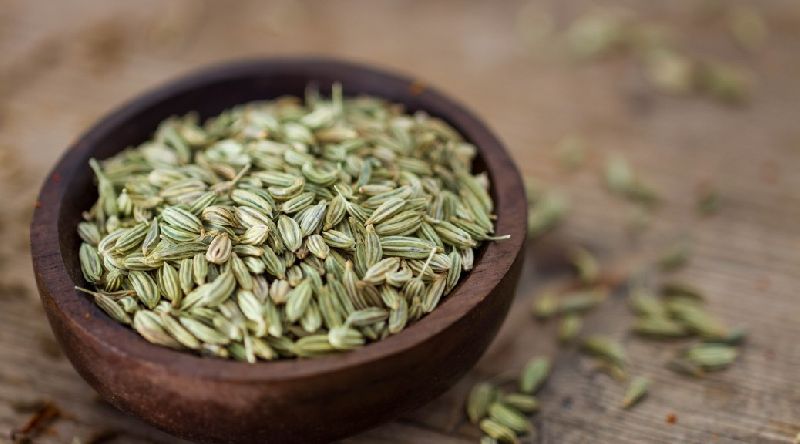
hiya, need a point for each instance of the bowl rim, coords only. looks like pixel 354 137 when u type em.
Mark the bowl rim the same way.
pixel 80 312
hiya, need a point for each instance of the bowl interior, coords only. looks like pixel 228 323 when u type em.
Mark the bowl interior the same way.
pixel 212 91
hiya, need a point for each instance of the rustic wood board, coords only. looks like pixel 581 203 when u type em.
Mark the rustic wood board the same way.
pixel 66 63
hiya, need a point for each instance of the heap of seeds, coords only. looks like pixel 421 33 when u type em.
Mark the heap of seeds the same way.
pixel 283 228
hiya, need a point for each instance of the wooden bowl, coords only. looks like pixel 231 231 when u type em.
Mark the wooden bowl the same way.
pixel 302 400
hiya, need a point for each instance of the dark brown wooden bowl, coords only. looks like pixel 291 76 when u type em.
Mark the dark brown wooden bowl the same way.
pixel 311 400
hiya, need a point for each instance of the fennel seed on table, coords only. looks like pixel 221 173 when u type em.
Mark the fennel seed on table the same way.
pixel 284 228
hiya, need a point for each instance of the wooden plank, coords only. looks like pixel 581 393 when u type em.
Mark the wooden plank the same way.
pixel 746 258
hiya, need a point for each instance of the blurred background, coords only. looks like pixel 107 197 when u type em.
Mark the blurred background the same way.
pixel 700 97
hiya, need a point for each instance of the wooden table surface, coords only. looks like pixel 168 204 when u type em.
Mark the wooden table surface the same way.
pixel 66 63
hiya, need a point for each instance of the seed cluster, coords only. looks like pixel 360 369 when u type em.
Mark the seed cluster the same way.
pixel 503 416
pixel 672 312
pixel 284 228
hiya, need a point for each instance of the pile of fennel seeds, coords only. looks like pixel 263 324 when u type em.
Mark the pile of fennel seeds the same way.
pixel 284 229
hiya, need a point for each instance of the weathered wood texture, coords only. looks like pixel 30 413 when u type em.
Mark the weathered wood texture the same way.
pixel 66 63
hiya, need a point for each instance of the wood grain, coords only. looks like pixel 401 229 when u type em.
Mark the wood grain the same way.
pixel 746 257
